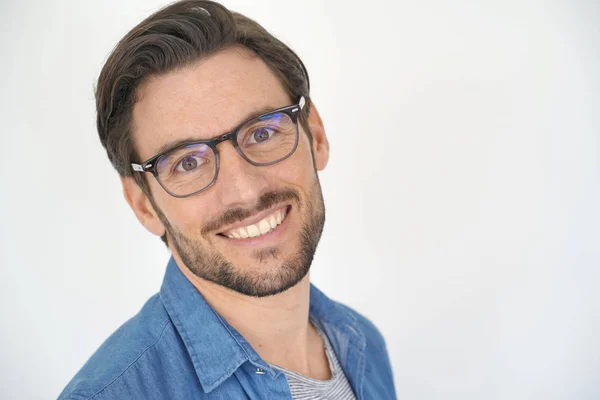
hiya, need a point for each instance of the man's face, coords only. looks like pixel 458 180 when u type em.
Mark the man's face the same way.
pixel 206 100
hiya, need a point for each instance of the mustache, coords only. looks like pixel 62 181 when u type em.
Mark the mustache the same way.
pixel 239 214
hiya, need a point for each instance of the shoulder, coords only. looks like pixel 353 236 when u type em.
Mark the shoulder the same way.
pixel 120 352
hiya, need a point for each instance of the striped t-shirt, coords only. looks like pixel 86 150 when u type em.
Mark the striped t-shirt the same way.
pixel 305 388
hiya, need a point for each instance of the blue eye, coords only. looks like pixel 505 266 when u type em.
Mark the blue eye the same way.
pixel 260 135
pixel 189 163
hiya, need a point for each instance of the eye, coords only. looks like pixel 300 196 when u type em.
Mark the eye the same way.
pixel 260 134
pixel 189 163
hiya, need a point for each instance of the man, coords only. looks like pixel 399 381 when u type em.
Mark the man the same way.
pixel 209 122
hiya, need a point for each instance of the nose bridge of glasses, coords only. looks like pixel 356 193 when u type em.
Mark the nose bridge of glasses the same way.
pixel 238 176
pixel 224 137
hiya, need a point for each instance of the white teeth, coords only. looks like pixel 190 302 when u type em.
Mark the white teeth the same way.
pixel 273 222
pixel 253 231
pixel 262 227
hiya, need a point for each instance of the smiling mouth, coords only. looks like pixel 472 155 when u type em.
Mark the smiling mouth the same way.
pixel 266 225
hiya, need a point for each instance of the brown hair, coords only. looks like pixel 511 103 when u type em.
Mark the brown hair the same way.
pixel 171 38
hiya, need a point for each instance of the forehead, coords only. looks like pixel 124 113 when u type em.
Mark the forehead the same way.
pixel 203 100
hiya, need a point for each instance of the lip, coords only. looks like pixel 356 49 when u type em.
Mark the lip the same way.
pixel 255 219
pixel 264 239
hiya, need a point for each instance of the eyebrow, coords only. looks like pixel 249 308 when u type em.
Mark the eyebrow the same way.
pixel 176 143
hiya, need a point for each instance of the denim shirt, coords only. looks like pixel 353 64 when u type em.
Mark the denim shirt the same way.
pixel 179 347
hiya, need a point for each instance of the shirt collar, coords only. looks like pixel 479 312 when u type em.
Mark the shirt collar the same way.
pixel 215 347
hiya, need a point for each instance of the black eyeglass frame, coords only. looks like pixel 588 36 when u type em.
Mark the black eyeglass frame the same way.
pixel 293 111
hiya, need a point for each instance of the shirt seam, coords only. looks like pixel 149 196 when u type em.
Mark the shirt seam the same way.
pixel 134 361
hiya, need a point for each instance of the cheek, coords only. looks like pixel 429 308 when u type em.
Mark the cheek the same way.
pixel 185 215
pixel 299 167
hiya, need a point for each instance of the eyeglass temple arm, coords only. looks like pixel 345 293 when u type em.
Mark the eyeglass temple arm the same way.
pixel 140 168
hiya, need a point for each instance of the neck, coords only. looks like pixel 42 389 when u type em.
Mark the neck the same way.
pixel 277 326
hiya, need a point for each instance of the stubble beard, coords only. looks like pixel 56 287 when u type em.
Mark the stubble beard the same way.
pixel 213 266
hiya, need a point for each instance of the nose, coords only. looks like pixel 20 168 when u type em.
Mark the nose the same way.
pixel 239 183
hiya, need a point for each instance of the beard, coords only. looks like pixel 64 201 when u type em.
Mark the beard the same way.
pixel 209 264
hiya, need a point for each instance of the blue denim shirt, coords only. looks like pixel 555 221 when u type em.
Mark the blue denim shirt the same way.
pixel 178 347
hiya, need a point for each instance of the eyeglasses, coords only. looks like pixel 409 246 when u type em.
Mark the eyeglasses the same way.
pixel 192 167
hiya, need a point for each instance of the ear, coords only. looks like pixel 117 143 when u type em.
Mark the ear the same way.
pixel 320 144
pixel 141 206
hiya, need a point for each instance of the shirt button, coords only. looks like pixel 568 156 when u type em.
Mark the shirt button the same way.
pixel 260 371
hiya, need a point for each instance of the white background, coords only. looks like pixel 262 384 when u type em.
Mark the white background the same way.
pixel 462 191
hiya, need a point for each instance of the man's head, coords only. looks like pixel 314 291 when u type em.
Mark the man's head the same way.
pixel 195 71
